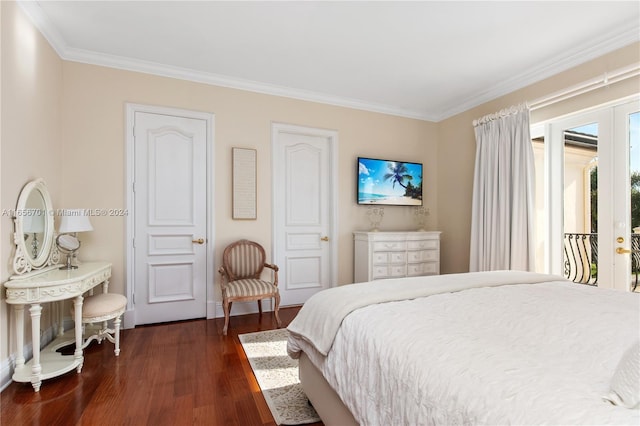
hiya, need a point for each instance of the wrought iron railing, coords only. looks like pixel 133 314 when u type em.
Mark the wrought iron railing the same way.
pixel 581 258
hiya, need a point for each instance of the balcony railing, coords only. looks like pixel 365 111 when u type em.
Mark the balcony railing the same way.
pixel 581 258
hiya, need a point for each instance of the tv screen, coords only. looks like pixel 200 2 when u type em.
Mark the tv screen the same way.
pixel 388 182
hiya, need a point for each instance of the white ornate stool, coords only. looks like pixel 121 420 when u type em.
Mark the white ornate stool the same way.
pixel 102 308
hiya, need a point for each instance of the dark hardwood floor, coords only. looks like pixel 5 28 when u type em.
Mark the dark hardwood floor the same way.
pixel 179 373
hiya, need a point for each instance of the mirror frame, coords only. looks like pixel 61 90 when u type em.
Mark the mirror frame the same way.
pixel 24 263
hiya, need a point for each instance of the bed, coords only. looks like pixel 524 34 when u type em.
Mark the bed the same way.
pixel 501 347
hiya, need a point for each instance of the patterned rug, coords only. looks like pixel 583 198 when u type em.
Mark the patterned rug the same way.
pixel 277 375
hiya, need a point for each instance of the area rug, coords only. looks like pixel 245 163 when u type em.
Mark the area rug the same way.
pixel 277 376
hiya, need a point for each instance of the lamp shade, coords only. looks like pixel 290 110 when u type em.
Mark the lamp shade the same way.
pixel 74 220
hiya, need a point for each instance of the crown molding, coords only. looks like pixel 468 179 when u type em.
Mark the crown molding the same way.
pixel 618 38
pixel 128 64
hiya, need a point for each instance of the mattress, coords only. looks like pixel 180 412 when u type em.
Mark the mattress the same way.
pixel 537 353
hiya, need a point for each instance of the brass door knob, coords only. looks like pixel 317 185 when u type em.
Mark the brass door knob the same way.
pixel 621 250
pixel 325 238
pixel 199 241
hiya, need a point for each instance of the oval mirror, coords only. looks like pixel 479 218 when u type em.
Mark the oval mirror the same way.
pixel 34 228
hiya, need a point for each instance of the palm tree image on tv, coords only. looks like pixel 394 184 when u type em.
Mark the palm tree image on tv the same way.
pixel 389 182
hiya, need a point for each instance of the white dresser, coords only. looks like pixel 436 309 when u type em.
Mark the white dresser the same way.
pixel 381 255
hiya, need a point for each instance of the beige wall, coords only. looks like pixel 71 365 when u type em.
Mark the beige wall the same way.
pixel 30 132
pixel 456 143
pixel 93 133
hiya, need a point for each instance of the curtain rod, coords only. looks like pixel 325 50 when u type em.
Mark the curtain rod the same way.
pixel 607 78
pixel 587 86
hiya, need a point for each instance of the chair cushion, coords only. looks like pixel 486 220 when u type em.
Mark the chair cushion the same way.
pixel 103 305
pixel 245 260
pixel 250 287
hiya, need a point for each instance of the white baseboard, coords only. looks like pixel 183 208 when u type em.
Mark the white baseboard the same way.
pixel 214 310
pixel 129 319
pixel 243 308
pixel 6 371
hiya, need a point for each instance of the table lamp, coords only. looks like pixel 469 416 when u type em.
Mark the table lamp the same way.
pixel 72 222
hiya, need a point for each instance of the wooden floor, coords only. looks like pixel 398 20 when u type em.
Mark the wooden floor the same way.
pixel 179 373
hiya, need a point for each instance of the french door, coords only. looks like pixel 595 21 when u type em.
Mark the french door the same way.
pixel 589 216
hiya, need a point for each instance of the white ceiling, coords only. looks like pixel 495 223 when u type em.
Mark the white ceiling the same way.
pixel 426 60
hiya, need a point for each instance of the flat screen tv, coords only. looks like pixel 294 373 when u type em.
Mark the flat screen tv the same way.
pixel 389 182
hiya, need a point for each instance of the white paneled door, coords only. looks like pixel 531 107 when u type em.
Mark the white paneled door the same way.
pixel 304 176
pixel 170 205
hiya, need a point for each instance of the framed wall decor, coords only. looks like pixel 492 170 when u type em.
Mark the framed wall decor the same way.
pixel 244 183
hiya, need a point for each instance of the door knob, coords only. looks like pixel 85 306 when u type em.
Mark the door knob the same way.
pixel 324 238
pixel 621 250
pixel 199 241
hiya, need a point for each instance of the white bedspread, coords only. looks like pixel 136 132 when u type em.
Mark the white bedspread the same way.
pixel 512 354
pixel 319 329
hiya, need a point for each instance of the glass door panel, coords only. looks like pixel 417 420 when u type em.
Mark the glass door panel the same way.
pixel 627 196
pixel 634 181
pixel 580 209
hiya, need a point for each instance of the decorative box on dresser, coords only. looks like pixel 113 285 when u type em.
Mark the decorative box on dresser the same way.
pixel 379 255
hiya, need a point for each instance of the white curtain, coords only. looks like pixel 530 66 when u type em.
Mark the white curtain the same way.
pixel 502 233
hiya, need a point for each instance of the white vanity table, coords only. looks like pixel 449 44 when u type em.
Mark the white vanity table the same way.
pixel 37 279
pixel 55 285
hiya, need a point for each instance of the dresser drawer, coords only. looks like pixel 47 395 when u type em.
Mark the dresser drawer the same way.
pixel 389 245
pixel 430 268
pixel 422 255
pixel 423 244
pixel 390 271
pixel 383 258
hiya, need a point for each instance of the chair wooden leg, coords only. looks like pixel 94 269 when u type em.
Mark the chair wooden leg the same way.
pixel 116 326
pixel 275 310
pixel 226 306
pixel 260 307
